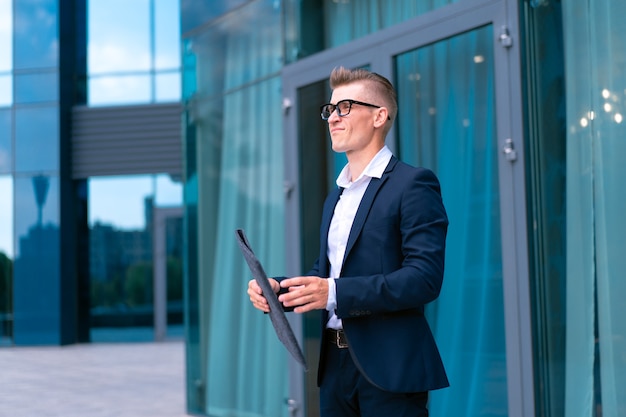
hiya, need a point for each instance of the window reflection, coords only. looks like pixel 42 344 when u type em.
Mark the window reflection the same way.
pixel 5 143
pixel 36 139
pixel 36 34
pixel 37 87
pixel 121 212
pixel 36 214
pixel 167 34
pixel 130 89
pixel 6 35
pixel 168 87
pixel 118 41
pixel 133 59
pixel 6 90
pixel 6 260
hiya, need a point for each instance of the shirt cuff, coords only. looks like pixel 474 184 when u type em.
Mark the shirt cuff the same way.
pixel 331 304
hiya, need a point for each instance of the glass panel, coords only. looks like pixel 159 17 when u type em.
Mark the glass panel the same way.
pixel 37 260
pixel 129 89
pixel 6 158
pixel 595 170
pixel 243 189
pixel 36 35
pixel 120 238
pixel 167 34
pixel 6 36
pixel 6 90
pixel 38 87
pixel 36 139
pixel 120 223
pixel 168 87
pixel 446 123
pixel 195 13
pixel 6 260
pixel 118 41
pixel 314 25
pixel 546 180
pixel 247 45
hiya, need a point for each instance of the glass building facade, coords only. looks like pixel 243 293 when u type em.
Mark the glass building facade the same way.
pixel 515 104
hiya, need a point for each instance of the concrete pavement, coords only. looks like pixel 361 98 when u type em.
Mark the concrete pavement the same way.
pixel 93 380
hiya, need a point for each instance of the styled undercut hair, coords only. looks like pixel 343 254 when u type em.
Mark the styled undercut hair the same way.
pixel 381 86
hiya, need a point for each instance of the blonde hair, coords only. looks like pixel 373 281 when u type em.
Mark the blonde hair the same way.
pixel 381 86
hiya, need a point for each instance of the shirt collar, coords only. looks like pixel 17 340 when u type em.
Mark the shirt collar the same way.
pixel 374 169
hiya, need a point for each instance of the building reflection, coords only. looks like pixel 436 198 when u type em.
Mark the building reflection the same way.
pixel 121 270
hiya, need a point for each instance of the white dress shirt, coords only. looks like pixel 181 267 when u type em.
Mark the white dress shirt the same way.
pixel 342 220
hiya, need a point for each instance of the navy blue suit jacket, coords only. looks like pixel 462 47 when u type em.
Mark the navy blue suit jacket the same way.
pixel 393 266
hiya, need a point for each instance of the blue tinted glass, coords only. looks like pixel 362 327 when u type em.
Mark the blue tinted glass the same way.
pixel 5 142
pixel 36 35
pixel 6 216
pixel 195 13
pixel 128 89
pixel 36 206
pixel 36 139
pixel 6 35
pixel 32 88
pixel 6 259
pixel 168 87
pixel 119 36
pixel 167 34
pixel 6 90
pixel 246 45
pixel 37 255
pixel 123 217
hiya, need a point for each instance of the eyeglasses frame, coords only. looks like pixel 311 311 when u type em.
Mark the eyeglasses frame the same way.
pixel 336 107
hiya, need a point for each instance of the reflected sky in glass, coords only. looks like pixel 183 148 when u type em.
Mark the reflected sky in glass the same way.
pixel 6 35
pixel 37 87
pixel 131 59
pixel 119 36
pixel 37 139
pixel 120 200
pixel 6 215
pixel 118 89
pixel 36 34
pixel 6 90
pixel 5 143
pixel 167 34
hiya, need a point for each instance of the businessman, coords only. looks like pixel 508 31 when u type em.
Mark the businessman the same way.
pixel 381 260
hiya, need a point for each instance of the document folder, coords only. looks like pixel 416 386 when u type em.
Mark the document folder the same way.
pixel 277 314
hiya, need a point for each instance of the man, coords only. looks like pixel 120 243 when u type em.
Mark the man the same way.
pixel 381 260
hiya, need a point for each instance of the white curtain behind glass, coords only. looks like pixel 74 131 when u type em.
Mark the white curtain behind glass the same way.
pixel 596 203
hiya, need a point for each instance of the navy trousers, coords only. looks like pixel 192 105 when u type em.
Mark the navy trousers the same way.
pixel 344 392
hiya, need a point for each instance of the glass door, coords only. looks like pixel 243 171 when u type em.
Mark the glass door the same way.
pixel 454 86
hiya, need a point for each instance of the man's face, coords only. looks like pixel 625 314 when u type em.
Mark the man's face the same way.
pixel 353 132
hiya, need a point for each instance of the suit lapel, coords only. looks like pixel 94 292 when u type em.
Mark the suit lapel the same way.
pixel 366 205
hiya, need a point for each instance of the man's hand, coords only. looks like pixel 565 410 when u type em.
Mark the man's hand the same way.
pixel 256 294
pixel 305 293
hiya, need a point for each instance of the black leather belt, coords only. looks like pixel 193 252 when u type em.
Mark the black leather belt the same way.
pixel 337 338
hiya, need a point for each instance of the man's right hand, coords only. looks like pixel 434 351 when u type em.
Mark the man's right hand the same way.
pixel 256 294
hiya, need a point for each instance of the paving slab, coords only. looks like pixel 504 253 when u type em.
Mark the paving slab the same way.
pixel 94 380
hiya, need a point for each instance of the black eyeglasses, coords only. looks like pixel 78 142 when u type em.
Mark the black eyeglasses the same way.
pixel 343 108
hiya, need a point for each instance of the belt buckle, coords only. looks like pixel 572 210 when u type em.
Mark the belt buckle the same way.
pixel 340 344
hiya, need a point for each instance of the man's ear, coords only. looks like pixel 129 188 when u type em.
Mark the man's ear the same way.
pixel 382 115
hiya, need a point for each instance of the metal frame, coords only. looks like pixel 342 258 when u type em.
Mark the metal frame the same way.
pixel 378 51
